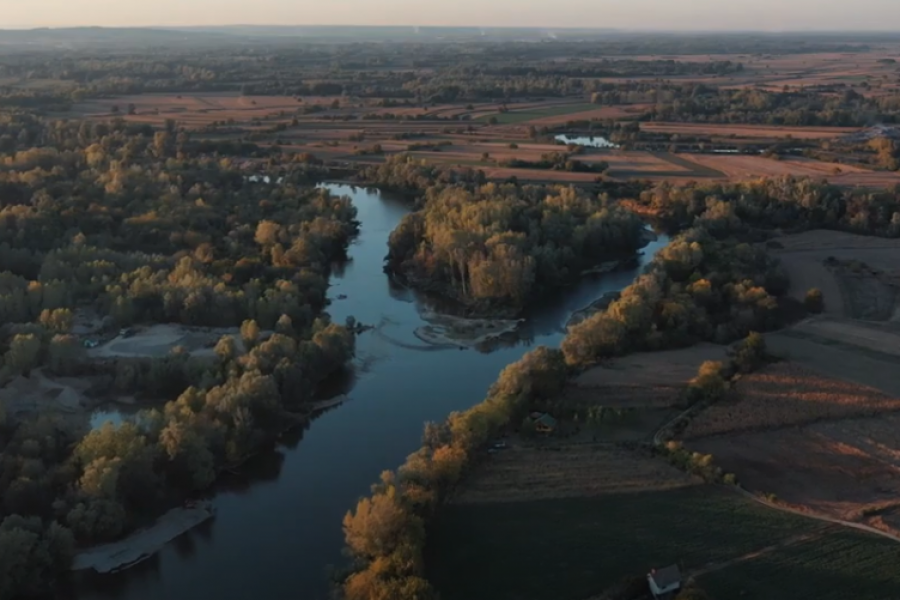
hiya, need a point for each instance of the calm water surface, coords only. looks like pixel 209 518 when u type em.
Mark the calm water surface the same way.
pixel 278 526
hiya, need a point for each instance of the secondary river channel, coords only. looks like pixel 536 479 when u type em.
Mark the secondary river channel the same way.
pixel 278 525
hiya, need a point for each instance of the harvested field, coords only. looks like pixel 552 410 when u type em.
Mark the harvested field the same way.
pixel 752 131
pixel 670 367
pixel 591 544
pixel 572 471
pixel 518 115
pixel 744 167
pixel 803 256
pixel 787 394
pixel 194 110
pixel 607 112
pixel 649 379
pixel 839 468
pixel 877 339
pixel 841 361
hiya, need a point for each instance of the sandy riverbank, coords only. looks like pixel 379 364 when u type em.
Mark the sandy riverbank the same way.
pixel 144 543
pixel 446 330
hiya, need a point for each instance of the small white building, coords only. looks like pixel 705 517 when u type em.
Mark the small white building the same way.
pixel 664 583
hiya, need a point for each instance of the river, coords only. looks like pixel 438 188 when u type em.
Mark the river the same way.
pixel 278 526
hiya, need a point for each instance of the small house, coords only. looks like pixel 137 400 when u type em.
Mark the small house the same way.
pixel 545 424
pixel 665 583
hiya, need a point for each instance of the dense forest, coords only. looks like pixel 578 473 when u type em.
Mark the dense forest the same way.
pixel 497 247
pixel 134 227
pixel 787 203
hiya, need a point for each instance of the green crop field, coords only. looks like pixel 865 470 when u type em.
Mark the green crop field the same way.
pixel 839 566
pixel 570 549
pixel 513 117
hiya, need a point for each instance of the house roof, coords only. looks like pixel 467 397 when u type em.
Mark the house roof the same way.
pixel 546 420
pixel 666 577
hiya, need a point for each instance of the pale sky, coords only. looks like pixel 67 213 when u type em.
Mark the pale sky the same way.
pixel 773 15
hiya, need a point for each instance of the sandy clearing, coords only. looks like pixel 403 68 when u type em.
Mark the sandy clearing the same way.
pixel 142 544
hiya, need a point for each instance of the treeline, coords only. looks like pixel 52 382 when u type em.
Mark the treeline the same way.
pixel 129 226
pixel 497 247
pixel 787 203
pixel 706 104
pixel 557 161
pixel 405 174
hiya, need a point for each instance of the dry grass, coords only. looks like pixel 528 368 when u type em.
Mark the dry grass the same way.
pixel 572 471
pixel 788 394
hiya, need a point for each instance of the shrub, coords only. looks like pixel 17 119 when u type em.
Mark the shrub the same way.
pixel 814 301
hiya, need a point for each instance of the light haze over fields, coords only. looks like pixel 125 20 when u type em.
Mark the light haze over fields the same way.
pixel 774 15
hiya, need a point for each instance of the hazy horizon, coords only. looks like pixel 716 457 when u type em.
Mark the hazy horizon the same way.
pixel 660 15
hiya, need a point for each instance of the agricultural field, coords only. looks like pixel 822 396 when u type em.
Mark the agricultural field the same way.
pixel 532 114
pixel 787 394
pixel 825 567
pixel 747 167
pixel 590 544
pixel 768 132
pixel 859 266
pixel 524 473
pixel 844 469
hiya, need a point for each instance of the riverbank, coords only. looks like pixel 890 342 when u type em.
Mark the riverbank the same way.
pixel 142 544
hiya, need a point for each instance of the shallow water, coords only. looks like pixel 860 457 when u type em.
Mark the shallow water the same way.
pixel 278 524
